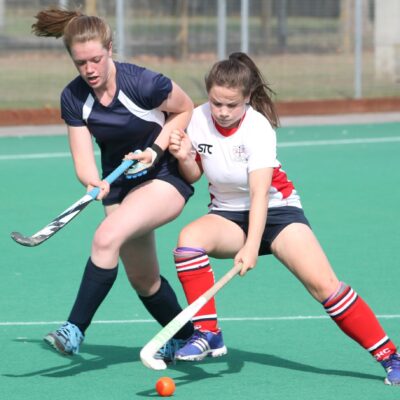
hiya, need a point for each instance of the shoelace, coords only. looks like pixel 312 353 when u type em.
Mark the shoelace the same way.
pixel 68 334
pixel 393 361
pixel 196 336
pixel 168 350
pixel 64 331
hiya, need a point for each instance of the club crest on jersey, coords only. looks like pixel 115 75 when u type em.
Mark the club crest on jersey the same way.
pixel 239 153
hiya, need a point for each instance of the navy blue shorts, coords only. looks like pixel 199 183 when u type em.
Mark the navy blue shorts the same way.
pixel 122 186
pixel 278 218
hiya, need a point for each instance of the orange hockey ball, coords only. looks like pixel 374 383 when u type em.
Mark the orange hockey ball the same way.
pixel 165 386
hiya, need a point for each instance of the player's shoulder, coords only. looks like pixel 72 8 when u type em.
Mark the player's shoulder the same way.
pixel 201 116
pixel 136 74
pixel 200 121
pixel 202 111
pixel 132 70
pixel 76 90
pixel 255 119
pixel 76 85
pixel 255 115
pixel 129 76
pixel 141 83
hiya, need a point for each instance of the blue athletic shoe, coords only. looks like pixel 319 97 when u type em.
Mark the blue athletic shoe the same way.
pixel 392 367
pixel 66 339
pixel 167 352
pixel 200 345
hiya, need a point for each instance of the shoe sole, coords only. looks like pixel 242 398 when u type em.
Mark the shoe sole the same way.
pixel 199 357
pixel 53 342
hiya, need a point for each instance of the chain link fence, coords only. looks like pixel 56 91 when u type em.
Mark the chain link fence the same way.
pixel 305 48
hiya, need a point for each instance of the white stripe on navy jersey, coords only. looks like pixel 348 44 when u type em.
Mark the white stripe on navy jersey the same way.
pixel 87 107
pixel 154 115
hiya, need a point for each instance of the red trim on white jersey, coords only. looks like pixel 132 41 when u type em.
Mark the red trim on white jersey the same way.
pixel 281 183
pixel 227 131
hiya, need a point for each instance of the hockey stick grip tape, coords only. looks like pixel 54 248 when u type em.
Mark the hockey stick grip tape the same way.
pixel 113 176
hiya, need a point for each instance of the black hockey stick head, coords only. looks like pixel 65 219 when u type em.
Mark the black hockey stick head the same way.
pixel 29 241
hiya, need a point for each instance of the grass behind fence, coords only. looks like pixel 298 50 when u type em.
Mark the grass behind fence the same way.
pixel 311 66
pixel 35 80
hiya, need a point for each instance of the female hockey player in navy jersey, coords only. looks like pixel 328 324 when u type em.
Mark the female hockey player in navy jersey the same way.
pixel 125 108
pixel 254 210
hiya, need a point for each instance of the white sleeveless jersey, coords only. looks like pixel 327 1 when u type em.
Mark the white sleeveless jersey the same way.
pixel 228 160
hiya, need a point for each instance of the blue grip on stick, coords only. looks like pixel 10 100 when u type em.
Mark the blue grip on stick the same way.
pixel 113 176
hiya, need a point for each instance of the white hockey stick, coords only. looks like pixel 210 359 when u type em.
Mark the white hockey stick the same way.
pixel 150 349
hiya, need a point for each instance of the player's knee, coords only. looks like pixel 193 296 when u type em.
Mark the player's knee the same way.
pixel 190 237
pixel 341 287
pixel 104 240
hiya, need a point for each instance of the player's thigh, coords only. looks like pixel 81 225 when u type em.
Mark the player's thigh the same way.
pixel 218 236
pixel 299 250
pixel 144 209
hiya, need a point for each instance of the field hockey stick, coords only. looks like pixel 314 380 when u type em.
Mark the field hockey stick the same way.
pixel 71 212
pixel 151 348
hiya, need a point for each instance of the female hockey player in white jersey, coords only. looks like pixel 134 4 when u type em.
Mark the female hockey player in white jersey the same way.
pixel 254 210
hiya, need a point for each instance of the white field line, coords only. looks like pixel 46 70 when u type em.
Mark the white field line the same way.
pixel 38 156
pixel 303 143
pixel 227 319
pixel 335 142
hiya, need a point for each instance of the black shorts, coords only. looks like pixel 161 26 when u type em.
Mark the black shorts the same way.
pixel 168 173
pixel 278 218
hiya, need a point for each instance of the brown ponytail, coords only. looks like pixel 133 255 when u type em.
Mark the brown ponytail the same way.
pixel 74 26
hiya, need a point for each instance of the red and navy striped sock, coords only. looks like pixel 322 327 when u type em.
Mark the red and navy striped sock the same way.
pixel 355 318
pixel 196 276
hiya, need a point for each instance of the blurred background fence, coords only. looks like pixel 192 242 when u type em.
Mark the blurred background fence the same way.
pixel 307 49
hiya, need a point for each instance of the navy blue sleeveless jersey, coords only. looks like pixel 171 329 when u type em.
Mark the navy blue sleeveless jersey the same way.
pixel 130 122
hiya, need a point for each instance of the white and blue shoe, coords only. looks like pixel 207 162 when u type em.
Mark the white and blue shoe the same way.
pixel 66 339
pixel 200 345
pixel 392 368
